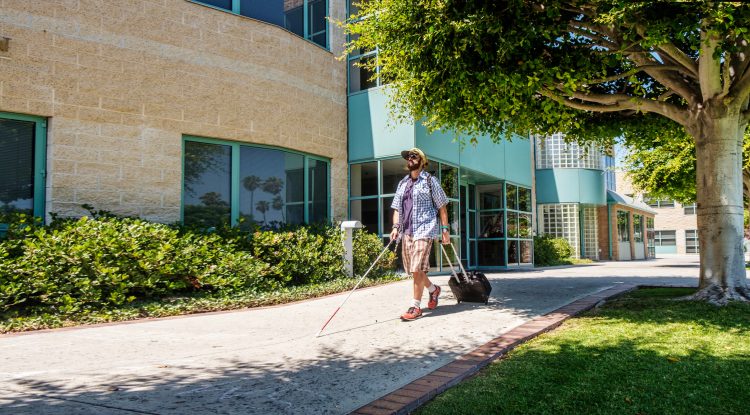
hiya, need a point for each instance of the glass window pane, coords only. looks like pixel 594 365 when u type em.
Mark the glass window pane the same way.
pixel 271 11
pixel 513 252
pixel 512 225
pixel 16 166
pixel 271 180
pixel 320 39
pixel 387 214
pixel 473 225
pixel 524 199
pixel 207 176
pixel 638 228
pixel 361 78
pixel 394 170
pixel 294 17
pixel 449 180
pixel 490 196
pixel 223 4
pixel 490 253
pixel 364 179
pixel 623 228
pixel 526 252
pixel 511 196
pixel 317 14
pixel 472 197
pixel 366 211
pixel 318 190
pixel 524 225
pixel 453 215
pixel 491 225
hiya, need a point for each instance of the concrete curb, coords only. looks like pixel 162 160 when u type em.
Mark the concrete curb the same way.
pixel 410 397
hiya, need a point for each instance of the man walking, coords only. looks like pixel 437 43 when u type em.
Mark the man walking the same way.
pixel 419 197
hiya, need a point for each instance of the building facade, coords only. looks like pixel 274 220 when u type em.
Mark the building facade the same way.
pixel 576 200
pixel 239 111
pixel 675 226
pixel 174 110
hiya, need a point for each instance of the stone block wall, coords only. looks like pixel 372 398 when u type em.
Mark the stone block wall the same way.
pixel 123 82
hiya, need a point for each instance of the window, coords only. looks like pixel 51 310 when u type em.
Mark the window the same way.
pixel 623 226
pixel 562 221
pixel 267 186
pixel 638 228
pixel 690 209
pixel 554 152
pixel 650 237
pixel 23 142
pixel 289 14
pixel 691 241
pixel 658 203
pixel 665 238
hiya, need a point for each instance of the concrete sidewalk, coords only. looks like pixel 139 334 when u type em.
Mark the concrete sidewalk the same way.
pixel 267 361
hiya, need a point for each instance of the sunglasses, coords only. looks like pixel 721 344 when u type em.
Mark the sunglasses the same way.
pixel 412 156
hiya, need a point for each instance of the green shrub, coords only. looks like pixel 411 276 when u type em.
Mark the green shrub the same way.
pixel 551 251
pixel 366 248
pixel 88 264
pixel 306 255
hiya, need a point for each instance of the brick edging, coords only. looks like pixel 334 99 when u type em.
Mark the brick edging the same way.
pixel 418 392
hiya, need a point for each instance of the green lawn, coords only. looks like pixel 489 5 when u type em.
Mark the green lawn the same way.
pixel 641 354
pixel 200 302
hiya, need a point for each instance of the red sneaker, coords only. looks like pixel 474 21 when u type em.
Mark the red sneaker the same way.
pixel 434 298
pixel 412 313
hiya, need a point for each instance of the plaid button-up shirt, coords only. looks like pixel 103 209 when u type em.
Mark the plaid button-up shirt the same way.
pixel 424 222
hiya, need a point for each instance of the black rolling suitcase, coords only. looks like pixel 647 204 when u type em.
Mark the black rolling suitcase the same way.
pixel 470 287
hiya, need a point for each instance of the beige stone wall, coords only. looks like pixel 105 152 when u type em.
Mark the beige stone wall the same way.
pixel 667 219
pixel 122 82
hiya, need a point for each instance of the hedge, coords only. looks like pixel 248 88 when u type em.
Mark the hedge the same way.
pixel 551 251
pixel 79 265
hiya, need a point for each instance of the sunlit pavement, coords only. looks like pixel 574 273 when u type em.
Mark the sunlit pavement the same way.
pixel 268 361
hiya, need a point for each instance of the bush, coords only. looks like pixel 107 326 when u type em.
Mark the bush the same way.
pixel 551 251
pixel 89 264
pixel 367 247
pixel 306 255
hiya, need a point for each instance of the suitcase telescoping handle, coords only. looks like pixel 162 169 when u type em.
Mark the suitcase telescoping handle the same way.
pixel 460 265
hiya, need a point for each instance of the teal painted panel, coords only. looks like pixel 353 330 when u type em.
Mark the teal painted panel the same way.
pixel 439 145
pixel 484 157
pixel 570 186
pixel 518 163
pixel 666 249
pixel 371 133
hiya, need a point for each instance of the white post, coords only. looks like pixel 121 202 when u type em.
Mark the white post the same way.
pixel 348 228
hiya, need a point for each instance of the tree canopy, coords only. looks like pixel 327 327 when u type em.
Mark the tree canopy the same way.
pixel 589 68
pixel 594 70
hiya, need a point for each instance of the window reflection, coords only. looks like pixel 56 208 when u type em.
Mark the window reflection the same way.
pixel 512 252
pixel 524 199
pixel 449 180
pixel 512 196
pixel 393 171
pixel 207 184
pixel 17 166
pixel 318 190
pixel 512 225
pixel 491 225
pixel 272 186
pixel 490 196
pixel 490 253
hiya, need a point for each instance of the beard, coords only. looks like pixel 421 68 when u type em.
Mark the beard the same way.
pixel 413 167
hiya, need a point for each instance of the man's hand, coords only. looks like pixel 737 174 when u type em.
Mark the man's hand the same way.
pixel 394 234
pixel 446 238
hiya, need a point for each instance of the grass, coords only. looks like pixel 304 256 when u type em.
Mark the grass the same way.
pixel 641 354
pixel 200 302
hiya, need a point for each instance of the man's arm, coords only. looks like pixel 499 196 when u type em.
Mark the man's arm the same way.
pixel 395 230
pixel 443 211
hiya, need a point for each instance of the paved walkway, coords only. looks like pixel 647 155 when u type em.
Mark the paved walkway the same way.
pixel 268 361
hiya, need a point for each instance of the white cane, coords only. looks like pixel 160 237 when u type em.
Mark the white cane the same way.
pixel 355 287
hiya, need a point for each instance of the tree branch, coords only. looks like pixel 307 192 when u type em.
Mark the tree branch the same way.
pixel 617 102
pixel 666 78
pixel 674 53
pixel 709 68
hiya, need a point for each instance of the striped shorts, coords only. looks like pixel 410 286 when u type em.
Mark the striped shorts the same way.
pixel 415 254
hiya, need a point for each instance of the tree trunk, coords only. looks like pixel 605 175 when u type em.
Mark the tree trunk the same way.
pixel 720 209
